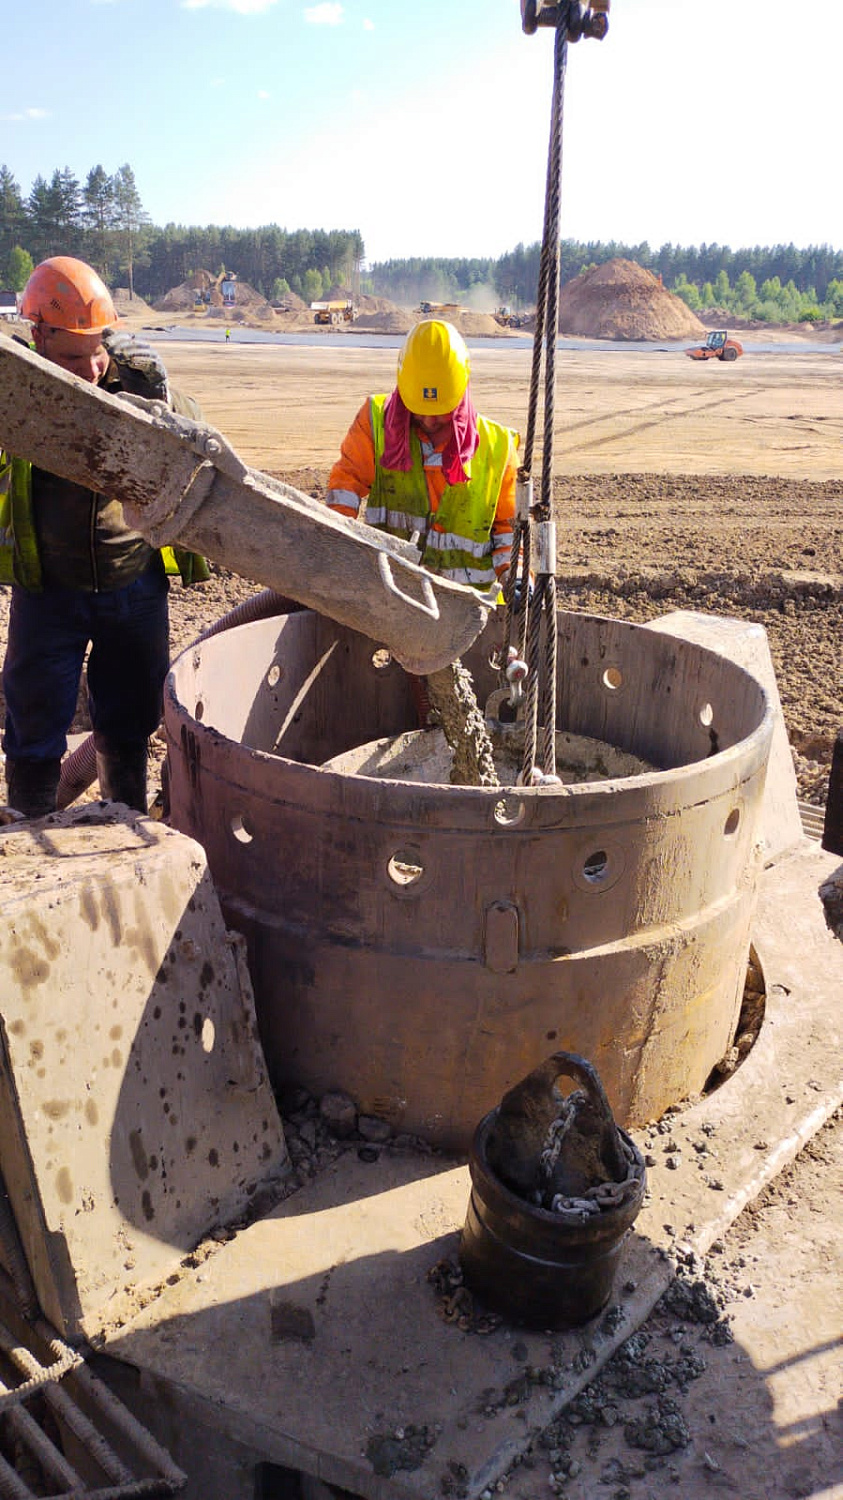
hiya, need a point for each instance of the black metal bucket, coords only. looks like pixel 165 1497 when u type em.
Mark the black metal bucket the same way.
pixel 541 1268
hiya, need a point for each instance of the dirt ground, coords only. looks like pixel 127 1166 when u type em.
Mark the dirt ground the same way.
pixel 733 1393
pixel 716 488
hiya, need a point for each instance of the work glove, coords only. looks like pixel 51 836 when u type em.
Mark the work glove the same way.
pixel 140 367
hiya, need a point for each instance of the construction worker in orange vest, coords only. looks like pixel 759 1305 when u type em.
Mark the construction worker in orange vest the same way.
pixel 430 469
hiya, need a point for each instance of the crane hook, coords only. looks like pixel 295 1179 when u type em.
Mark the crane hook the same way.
pixel 580 18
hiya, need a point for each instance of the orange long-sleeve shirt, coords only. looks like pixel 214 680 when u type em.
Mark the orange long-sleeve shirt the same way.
pixel 353 475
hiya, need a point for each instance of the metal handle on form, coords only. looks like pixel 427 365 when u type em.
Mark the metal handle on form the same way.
pixel 428 606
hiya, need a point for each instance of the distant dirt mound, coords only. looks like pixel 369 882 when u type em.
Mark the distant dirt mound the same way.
pixel 620 300
pixel 477 325
pixel 290 303
pixel 379 315
pixel 125 302
pixel 370 305
pixel 177 299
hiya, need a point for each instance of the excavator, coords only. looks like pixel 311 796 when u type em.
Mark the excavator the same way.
pixel 718 345
pixel 216 291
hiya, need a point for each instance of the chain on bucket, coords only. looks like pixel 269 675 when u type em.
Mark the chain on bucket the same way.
pixel 555 1187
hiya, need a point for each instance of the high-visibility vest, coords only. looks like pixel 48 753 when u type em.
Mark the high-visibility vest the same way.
pixel 456 539
pixel 20 561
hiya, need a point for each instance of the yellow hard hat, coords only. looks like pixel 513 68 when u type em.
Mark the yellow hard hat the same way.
pixel 433 369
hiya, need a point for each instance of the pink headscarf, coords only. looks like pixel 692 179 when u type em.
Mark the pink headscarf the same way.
pixel 460 447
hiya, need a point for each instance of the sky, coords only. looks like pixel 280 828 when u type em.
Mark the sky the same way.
pixel 425 126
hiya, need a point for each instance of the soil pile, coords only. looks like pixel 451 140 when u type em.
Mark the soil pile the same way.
pixel 127 303
pixel 290 303
pixel 620 300
pixel 478 325
pixel 379 315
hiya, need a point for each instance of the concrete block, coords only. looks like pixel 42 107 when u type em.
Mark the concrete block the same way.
pixel 135 1112
pixel 745 643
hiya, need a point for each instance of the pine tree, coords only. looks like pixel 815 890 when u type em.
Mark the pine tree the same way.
pixel 131 218
pixel 12 213
pixel 100 217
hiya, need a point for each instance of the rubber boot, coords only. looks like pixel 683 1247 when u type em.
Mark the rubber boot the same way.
pixel 32 786
pixel 121 772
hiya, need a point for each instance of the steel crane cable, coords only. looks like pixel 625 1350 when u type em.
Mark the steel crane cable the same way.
pixel 537 615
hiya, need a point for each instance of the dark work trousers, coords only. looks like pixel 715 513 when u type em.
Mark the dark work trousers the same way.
pixel 128 630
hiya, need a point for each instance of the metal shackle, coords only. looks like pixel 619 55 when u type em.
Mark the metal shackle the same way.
pixel 579 17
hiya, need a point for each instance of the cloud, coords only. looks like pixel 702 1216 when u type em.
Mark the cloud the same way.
pixel 368 25
pixel 28 114
pixel 329 14
pixel 264 94
pixel 241 7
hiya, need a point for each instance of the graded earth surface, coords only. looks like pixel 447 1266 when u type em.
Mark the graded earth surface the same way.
pixel 716 488
pixel 678 486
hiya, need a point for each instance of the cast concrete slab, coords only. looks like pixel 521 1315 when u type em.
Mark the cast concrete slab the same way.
pixel 135 1111
pixel 315 1338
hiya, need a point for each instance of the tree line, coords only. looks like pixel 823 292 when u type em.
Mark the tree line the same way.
pixel 103 220
pixel 778 284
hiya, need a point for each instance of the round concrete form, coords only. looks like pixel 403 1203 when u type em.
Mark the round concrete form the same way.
pixel 420 946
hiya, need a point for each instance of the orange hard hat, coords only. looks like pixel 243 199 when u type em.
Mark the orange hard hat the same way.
pixel 67 293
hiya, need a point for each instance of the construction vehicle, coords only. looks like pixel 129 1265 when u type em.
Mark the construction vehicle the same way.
pixel 334 312
pixel 507 317
pixel 718 345
pixel 215 291
pixel 439 309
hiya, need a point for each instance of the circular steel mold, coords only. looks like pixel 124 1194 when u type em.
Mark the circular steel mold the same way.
pixel 613 918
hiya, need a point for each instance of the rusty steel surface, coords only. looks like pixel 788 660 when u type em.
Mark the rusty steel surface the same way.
pixel 64 1433
pixel 609 919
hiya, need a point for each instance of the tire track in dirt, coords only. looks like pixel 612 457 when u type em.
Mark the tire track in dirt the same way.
pixel 621 434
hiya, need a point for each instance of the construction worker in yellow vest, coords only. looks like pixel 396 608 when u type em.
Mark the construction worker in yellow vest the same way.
pixel 429 467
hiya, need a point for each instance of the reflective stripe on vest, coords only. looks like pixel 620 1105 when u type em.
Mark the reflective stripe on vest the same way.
pixel 456 539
